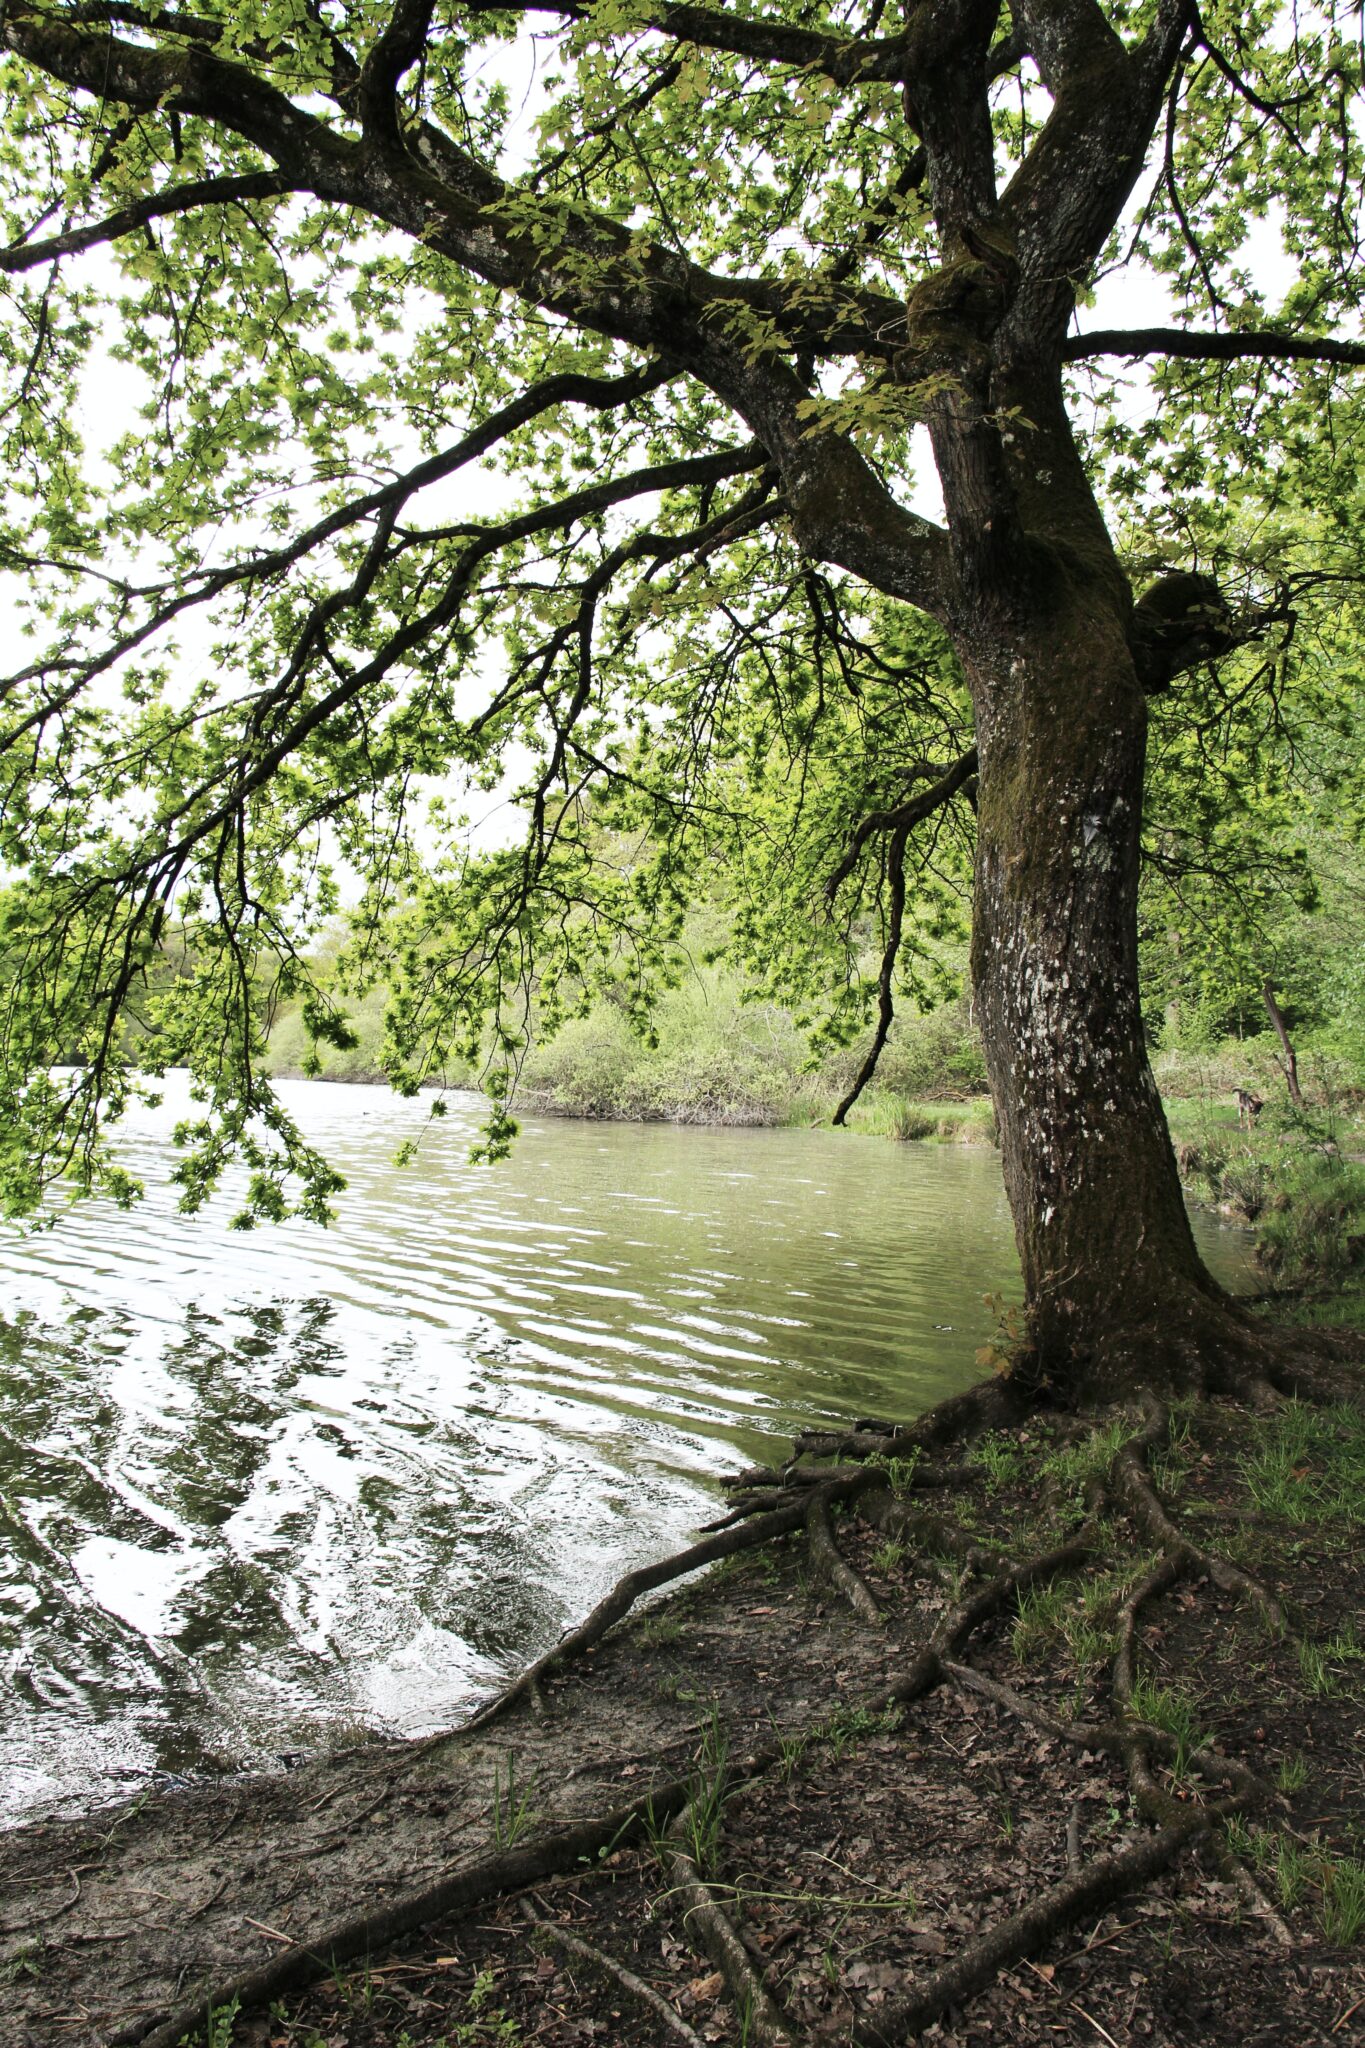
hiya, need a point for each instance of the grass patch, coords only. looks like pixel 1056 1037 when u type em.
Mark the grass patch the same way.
pixel 1161 1706
pixel 1292 1775
pixel 658 1630
pixel 1312 1231
pixel 1069 1468
pixel 1308 1465
pixel 1343 1901
pixel 900 1472
pixel 513 1815
pixel 1039 1622
pixel 1000 1460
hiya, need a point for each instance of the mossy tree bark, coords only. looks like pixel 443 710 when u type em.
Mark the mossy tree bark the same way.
pixel 1105 1242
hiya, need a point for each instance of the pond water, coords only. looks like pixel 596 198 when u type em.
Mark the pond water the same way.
pixel 259 1491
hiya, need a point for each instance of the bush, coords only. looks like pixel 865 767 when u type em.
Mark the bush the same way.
pixel 909 1124
pixel 718 1060
pixel 936 1057
pixel 289 1047
pixel 1250 1063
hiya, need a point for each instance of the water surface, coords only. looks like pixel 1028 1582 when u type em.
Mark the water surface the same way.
pixel 260 1490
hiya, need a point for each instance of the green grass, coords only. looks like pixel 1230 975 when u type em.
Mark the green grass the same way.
pixel 1000 1459
pixel 1174 1712
pixel 843 1730
pixel 219 2023
pixel 27 1961
pixel 1292 1775
pixel 700 1826
pixel 1343 1901
pixel 1292 1868
pixel 1071 1466
pixel 1308 1465
pixel 1343 1308
pixel 1039 1621
pixel 900 1472
pixel 880 1114
pixel 513 1814
pixel 659 1630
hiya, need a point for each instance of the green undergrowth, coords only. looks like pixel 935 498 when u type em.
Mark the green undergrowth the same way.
pixel 1304 1196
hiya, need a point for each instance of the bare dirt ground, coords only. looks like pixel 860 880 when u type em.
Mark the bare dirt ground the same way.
pixel 1020 1729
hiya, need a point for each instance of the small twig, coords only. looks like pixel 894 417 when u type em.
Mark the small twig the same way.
pixel 210 1901
pixel 1073 1837
pixel 1103 2032
pixel 273 1932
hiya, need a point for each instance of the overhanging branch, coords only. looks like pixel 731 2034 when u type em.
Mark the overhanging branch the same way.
pixel 155 206
pixel 848 60
pixel 903 817
pixel 895 861
pixel 570 388
pixel 1225 347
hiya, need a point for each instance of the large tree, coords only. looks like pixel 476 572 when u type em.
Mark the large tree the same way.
pixel 692 286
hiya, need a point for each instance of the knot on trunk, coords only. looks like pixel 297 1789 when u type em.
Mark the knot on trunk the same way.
pixel 1182 620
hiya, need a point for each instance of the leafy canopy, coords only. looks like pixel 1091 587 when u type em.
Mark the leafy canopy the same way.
pixel 406 399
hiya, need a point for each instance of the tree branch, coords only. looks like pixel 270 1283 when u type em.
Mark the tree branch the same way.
pixel 255 774
pixel 586 267
pixel 155 206
pixel 394 52
pixel 568 389
pixel 895 861
pixel 903 817
pixel 848 60
pixel 1065 37
pixel 1227 347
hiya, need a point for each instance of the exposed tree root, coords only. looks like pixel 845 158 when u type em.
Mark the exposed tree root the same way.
pixel 1183 1791
pixel 710 1928
pixel 1115 1738
pixel 363 1933
pixel 830 1562
pixel 627 1979
pixel 1096 1884
pixel 989 1404
pixel 919 1529
pixel 1132 1482
pixel 755 1489
pixel 1252 1896
pixel 628 1589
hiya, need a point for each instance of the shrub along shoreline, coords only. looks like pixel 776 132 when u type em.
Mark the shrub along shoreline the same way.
pixel 717 1056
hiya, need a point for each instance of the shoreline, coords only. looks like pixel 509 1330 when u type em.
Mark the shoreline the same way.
pixel 767 1672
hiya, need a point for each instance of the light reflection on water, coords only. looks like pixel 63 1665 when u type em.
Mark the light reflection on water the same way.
pixel 258 1488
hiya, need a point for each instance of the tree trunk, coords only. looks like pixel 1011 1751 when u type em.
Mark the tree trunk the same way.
pixel 1289 1065
pixel 1114 1286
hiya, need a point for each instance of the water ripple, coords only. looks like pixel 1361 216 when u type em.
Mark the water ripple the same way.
pixel 256 1489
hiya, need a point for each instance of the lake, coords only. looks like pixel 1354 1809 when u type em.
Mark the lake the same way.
pixel 262 1491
